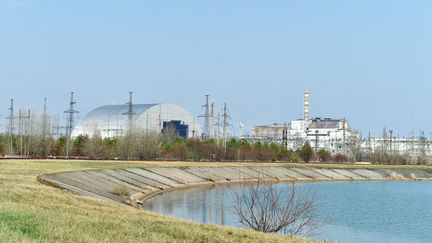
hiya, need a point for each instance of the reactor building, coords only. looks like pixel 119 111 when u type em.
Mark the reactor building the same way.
pixel 329 133
pixel 116 120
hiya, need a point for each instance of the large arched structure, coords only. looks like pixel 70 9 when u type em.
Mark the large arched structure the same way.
pixel 113 120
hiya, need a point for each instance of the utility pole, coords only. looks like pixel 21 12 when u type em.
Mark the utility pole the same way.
pixel 218 126
pixel 45 125
pixel 70 122
pixel 390 144
pixel 20 132
pixel 344 137
pixel 369 147
pixel 29 134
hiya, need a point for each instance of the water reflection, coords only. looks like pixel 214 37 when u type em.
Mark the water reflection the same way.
pixel 205 205
pixel 355 211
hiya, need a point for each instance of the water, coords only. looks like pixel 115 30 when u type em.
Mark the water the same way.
pixel 352 211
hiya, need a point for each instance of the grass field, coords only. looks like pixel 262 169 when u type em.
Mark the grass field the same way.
pixel 32 212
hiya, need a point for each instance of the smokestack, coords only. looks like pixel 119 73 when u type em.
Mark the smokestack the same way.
pixel 306 105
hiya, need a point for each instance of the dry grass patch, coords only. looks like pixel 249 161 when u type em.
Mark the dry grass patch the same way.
pixel 32 212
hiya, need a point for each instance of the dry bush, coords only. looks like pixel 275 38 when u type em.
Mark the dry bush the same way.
pixel 396 176
pixel 264 207
pixel 120 190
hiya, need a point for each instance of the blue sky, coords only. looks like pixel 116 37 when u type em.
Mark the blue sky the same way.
pixel 368 61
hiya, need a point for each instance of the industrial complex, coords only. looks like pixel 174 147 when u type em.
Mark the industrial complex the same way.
pixel 328 133
pixel 332 134
pixel 113 120
pixel 337 136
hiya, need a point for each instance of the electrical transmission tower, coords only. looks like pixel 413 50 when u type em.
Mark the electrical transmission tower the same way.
pixel 11 126
pixel 285 136
pixel 45 119
pixel 23 130
pixel 70 116
pixel 211 129
pixel 11 118
pixel 45 131
pixel 225 125
pixel 130 113
pixel 206 115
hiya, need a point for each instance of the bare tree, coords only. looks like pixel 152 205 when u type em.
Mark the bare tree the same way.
pixel 265 207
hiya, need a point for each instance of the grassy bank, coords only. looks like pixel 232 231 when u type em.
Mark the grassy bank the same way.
pixel 32 212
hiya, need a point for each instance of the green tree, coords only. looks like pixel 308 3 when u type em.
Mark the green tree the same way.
pixel 324 155
pixel 306 153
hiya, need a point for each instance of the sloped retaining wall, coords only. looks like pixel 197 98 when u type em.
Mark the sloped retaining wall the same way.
pixel 143 183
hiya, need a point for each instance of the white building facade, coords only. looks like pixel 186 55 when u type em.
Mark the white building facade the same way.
pixel 113 120
pixel 327 133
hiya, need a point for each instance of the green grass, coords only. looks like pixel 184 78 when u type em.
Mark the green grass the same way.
pixel 32 212
pixel 22 224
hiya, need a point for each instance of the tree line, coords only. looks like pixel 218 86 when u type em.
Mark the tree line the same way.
pixel 138 145
pixel 165 146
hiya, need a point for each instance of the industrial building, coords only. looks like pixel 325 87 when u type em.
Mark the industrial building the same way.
pixel 331 134
pixel 116 120
pixel 326 133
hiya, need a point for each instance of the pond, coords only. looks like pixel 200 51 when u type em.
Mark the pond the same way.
pixel 351 211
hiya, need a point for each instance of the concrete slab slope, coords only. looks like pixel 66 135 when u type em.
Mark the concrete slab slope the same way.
pixel 142 183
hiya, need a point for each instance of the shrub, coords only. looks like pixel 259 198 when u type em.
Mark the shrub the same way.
pixel 265 207
pixel 120 190
pixel 324 155
pixel 306 152
pixel 338 158
pixel 396 176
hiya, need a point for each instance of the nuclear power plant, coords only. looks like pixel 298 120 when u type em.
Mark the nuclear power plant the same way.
pixel 118 120
pixel 328 133
pixel 337 136
pixel 332 134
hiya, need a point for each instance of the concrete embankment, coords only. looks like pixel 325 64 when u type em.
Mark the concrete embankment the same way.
pixel 142 183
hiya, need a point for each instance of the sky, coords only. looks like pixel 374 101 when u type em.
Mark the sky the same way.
pixel 367 61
